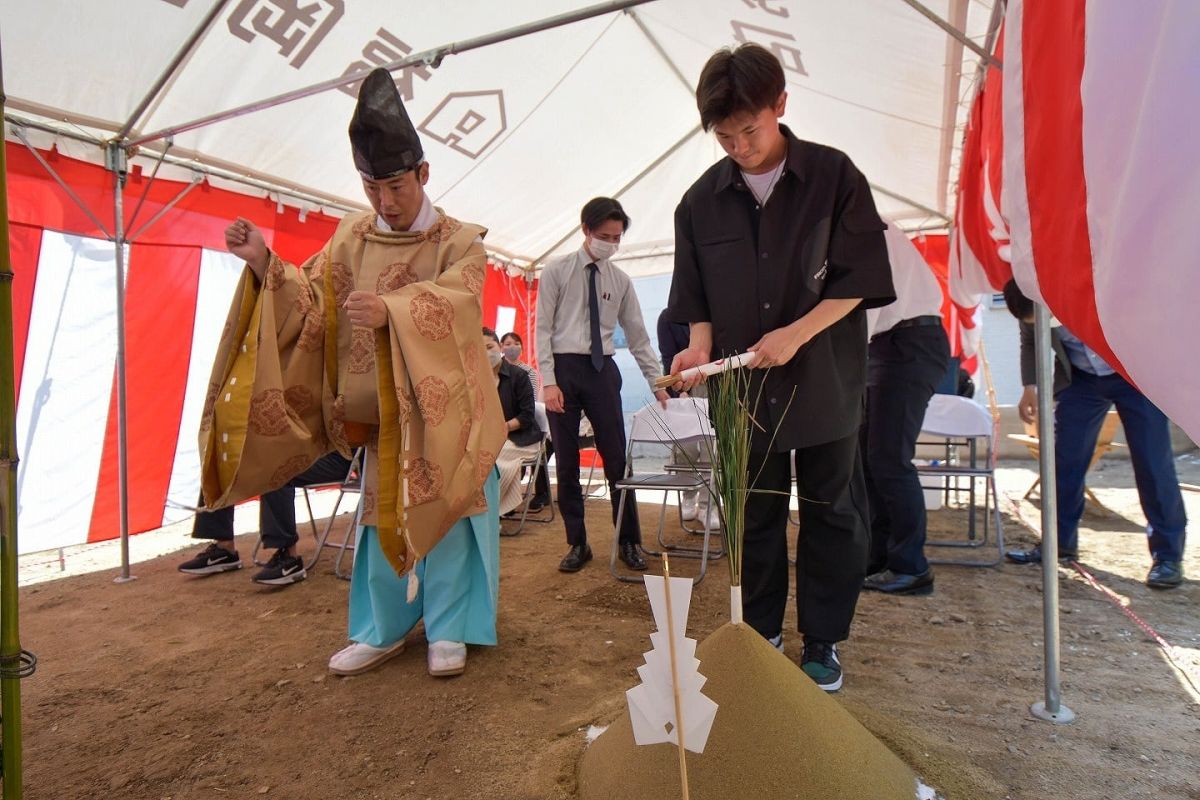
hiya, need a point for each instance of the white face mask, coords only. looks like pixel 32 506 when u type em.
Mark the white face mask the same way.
pixel 495 357
pixel 512 352
pixel 601 249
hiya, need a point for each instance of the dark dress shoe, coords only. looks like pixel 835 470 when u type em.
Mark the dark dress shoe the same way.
pixel 630 555
pixel 1034 556
pixel 576 557
pixel 1165 575
pixel 899 583
pixel 537 504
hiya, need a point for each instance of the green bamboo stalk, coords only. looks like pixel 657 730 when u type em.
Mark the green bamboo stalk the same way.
pixel 10 639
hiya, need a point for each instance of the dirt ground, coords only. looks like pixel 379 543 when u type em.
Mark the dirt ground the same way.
pixel 184 688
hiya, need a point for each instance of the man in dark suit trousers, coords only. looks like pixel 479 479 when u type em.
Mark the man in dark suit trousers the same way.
pixel 1085 388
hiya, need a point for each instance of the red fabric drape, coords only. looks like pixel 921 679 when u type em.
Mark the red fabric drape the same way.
pixel 1052 54
pixel 936 252
pixel 160 296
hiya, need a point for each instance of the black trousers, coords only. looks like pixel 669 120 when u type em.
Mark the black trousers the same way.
pixel 831 547
pixel 276 509
pixel 904 366
pixel 599 395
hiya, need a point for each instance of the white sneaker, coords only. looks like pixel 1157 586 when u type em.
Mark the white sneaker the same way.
pixel 359 658
pixel 688 506
pixel 447 659
pixel 712 519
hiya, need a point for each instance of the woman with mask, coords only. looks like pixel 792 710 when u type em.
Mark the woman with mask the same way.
pixel 511 345
pixel 524 436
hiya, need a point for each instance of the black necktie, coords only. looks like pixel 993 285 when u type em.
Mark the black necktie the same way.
pixel 594 313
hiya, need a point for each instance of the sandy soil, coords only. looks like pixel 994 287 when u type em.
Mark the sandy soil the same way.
pixel 173 687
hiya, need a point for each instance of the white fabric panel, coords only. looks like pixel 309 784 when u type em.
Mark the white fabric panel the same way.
pixel 219 275
pixel 1143 181
pixel 66 388
pixel 506 319
pixel 1016 195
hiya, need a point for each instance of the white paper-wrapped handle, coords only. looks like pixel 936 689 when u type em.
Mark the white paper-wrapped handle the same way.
pixel 707 370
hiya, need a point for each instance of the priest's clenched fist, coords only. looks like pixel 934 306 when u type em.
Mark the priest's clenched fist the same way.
pixel 246 242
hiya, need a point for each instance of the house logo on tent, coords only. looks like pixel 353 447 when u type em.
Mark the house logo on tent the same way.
pixel 468 122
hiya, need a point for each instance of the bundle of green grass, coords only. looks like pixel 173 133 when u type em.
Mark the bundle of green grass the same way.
pixel 776 735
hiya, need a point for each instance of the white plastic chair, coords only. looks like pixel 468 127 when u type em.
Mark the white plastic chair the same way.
pixel 961 423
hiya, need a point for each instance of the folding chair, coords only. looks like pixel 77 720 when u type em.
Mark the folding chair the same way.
pixel 352 483
pixel 1104 443
pixel 531 466
pixel 590 457
pixel 961 423
pixel 684 419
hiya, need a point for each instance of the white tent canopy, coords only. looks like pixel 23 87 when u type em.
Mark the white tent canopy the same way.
pixel 520 133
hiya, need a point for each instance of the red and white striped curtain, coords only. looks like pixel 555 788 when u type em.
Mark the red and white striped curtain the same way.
pixel 1102 181
pixel 179 283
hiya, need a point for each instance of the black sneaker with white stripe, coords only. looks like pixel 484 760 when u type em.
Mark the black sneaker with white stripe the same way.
pixel 282 570
pixel 820 662
pixel 212 560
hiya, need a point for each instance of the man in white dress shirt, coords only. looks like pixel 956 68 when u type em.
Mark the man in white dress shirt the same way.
pixel 907 358
pixel 581 299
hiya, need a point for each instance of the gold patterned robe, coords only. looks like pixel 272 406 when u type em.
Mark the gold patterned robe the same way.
pixel 293 379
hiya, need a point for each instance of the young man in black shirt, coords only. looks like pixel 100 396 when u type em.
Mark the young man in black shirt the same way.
pixel 779 250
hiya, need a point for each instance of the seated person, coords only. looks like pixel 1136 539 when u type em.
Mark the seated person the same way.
pixel 524 436
pixel 276 520
pixel 511 345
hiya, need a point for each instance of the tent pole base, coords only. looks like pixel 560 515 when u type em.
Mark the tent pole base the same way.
pixel 1064 715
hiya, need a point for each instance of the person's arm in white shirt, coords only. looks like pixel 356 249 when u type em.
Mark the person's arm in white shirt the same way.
pixel 547 304
pixel 549 292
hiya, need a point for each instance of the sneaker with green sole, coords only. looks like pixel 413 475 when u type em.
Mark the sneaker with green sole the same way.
pixel 820 662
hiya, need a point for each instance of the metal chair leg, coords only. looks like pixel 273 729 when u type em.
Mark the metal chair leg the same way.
pixel 612 561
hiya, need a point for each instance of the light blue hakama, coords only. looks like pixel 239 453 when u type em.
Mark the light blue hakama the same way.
pixel 457 591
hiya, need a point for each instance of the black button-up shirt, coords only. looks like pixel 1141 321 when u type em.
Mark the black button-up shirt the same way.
pixel 750 270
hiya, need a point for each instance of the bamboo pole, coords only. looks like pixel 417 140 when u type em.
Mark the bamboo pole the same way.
pixel 10 640
pixel 683 778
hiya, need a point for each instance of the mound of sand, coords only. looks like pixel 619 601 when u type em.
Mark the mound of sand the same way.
pixel 776 735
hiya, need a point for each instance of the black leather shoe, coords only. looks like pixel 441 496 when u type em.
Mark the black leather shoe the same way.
pixel 576 557
pixel 1034 556
pixel 899 583
pixel 630 555
pixel 537 504
pixel 1165 575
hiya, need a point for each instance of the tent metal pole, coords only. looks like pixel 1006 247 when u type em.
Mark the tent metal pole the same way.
pixel 649 168
pixel 950 29
pixel 919 206
pixel 69 191
pixel 1051 708
pixel 658 48
pixel 158 162
pixel 179 58
pixel 989 44
pixel 211 170
pixel 953 82
pixel 431 58
pixel 15 663
pixel 133 237
pixel 115 158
